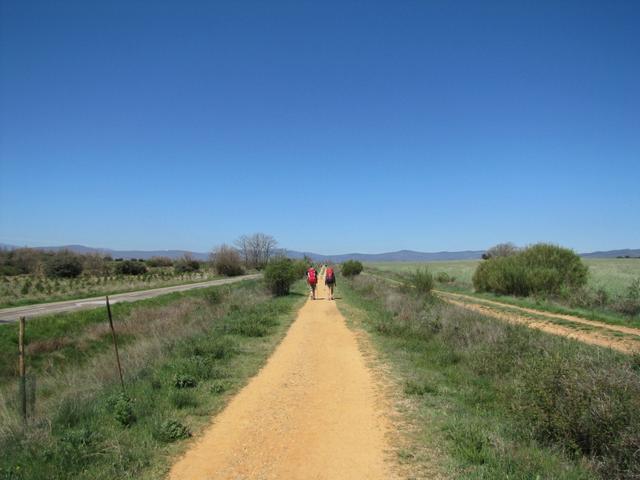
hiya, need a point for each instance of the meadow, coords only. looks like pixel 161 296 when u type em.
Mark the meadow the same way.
pixel 612 274
pixel 612 293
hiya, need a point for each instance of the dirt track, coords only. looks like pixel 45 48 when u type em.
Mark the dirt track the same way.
pixel 617 337
pixel 313 412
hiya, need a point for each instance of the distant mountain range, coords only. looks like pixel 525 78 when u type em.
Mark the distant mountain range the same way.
pixel 399 256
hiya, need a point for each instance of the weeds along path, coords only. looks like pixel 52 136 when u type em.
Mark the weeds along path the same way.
pixel 618 337
pixel 313 412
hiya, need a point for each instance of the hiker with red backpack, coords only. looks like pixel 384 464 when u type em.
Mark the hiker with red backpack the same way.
pixel 312 280
pixel 330 280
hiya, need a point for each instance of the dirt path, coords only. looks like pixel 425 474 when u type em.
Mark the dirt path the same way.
pixel 313 412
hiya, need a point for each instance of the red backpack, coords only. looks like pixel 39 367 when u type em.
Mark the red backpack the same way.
pixel 329 275
pixel 311 276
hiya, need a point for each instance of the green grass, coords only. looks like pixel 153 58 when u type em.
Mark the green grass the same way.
pixel 612 275
pixel 186 356
pixel 499 400
pixel 59 338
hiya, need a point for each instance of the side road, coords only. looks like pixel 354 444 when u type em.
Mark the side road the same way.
pixel 12 314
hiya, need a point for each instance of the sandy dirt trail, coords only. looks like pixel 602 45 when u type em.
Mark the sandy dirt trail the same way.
pixel 313 412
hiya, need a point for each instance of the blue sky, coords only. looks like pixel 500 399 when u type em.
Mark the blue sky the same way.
pixel 334 126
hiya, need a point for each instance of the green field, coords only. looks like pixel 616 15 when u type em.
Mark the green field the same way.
pixel 614 275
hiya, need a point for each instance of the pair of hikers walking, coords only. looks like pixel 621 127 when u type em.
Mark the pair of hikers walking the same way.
pixel 329 280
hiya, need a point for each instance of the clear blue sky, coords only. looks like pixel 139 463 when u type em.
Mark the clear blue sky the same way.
pixel 334 126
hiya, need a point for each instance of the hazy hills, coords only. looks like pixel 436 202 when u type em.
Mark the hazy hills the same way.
pixel 399 256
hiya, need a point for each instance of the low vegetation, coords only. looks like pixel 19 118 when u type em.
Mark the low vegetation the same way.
pixel 183 355
pixel 611 294
pixel 351 268
pixel 504 400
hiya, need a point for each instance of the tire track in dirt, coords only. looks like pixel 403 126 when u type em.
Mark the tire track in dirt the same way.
pixel 617 337
pixel 313 412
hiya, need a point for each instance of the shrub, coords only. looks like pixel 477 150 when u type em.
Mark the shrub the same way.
pixel 219 386
pixel 444 277
pixel 585 406
pixel 300 267
pixel 64 264
pixel 170 431
pixel 183 380
pixel 227 261
pixel 130 267
pixel 421 281
pixel 351 268
pixel 279 275
pixel 160 262
pixel 538 270
pixel 186 264
pixel 121 406
pixel 500 250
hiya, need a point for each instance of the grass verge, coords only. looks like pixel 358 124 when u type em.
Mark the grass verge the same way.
pixel 501 400
pixel 187 354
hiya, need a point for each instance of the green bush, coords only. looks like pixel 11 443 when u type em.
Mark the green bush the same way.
pixel 279 275
pixel 131 267
pixel 586 406
pixel 160 262
pixel 121 407
pixel 170 431
pixel 541 269
pixel 183 380
pixel 64 264
pixel 186 264
pixel 351 268
pixel 300 267
pixel 444 277
pixel 421 281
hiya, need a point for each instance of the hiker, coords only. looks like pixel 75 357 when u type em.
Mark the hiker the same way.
pixel 330 280
pixel 312 280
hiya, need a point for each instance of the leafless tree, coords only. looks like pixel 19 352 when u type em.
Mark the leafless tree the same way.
pixel 256 249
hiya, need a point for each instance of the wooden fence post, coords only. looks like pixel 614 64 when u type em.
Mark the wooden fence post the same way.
pixel 115 343
pixel 22 368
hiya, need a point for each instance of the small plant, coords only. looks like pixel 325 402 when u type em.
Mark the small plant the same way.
pixel 121 406
pixel 183 380
pixel 218 387
pixel 351 268
pixel 170 430
pixel 213 296
pixel 183 399
pixel 422 281
pixel 443 277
